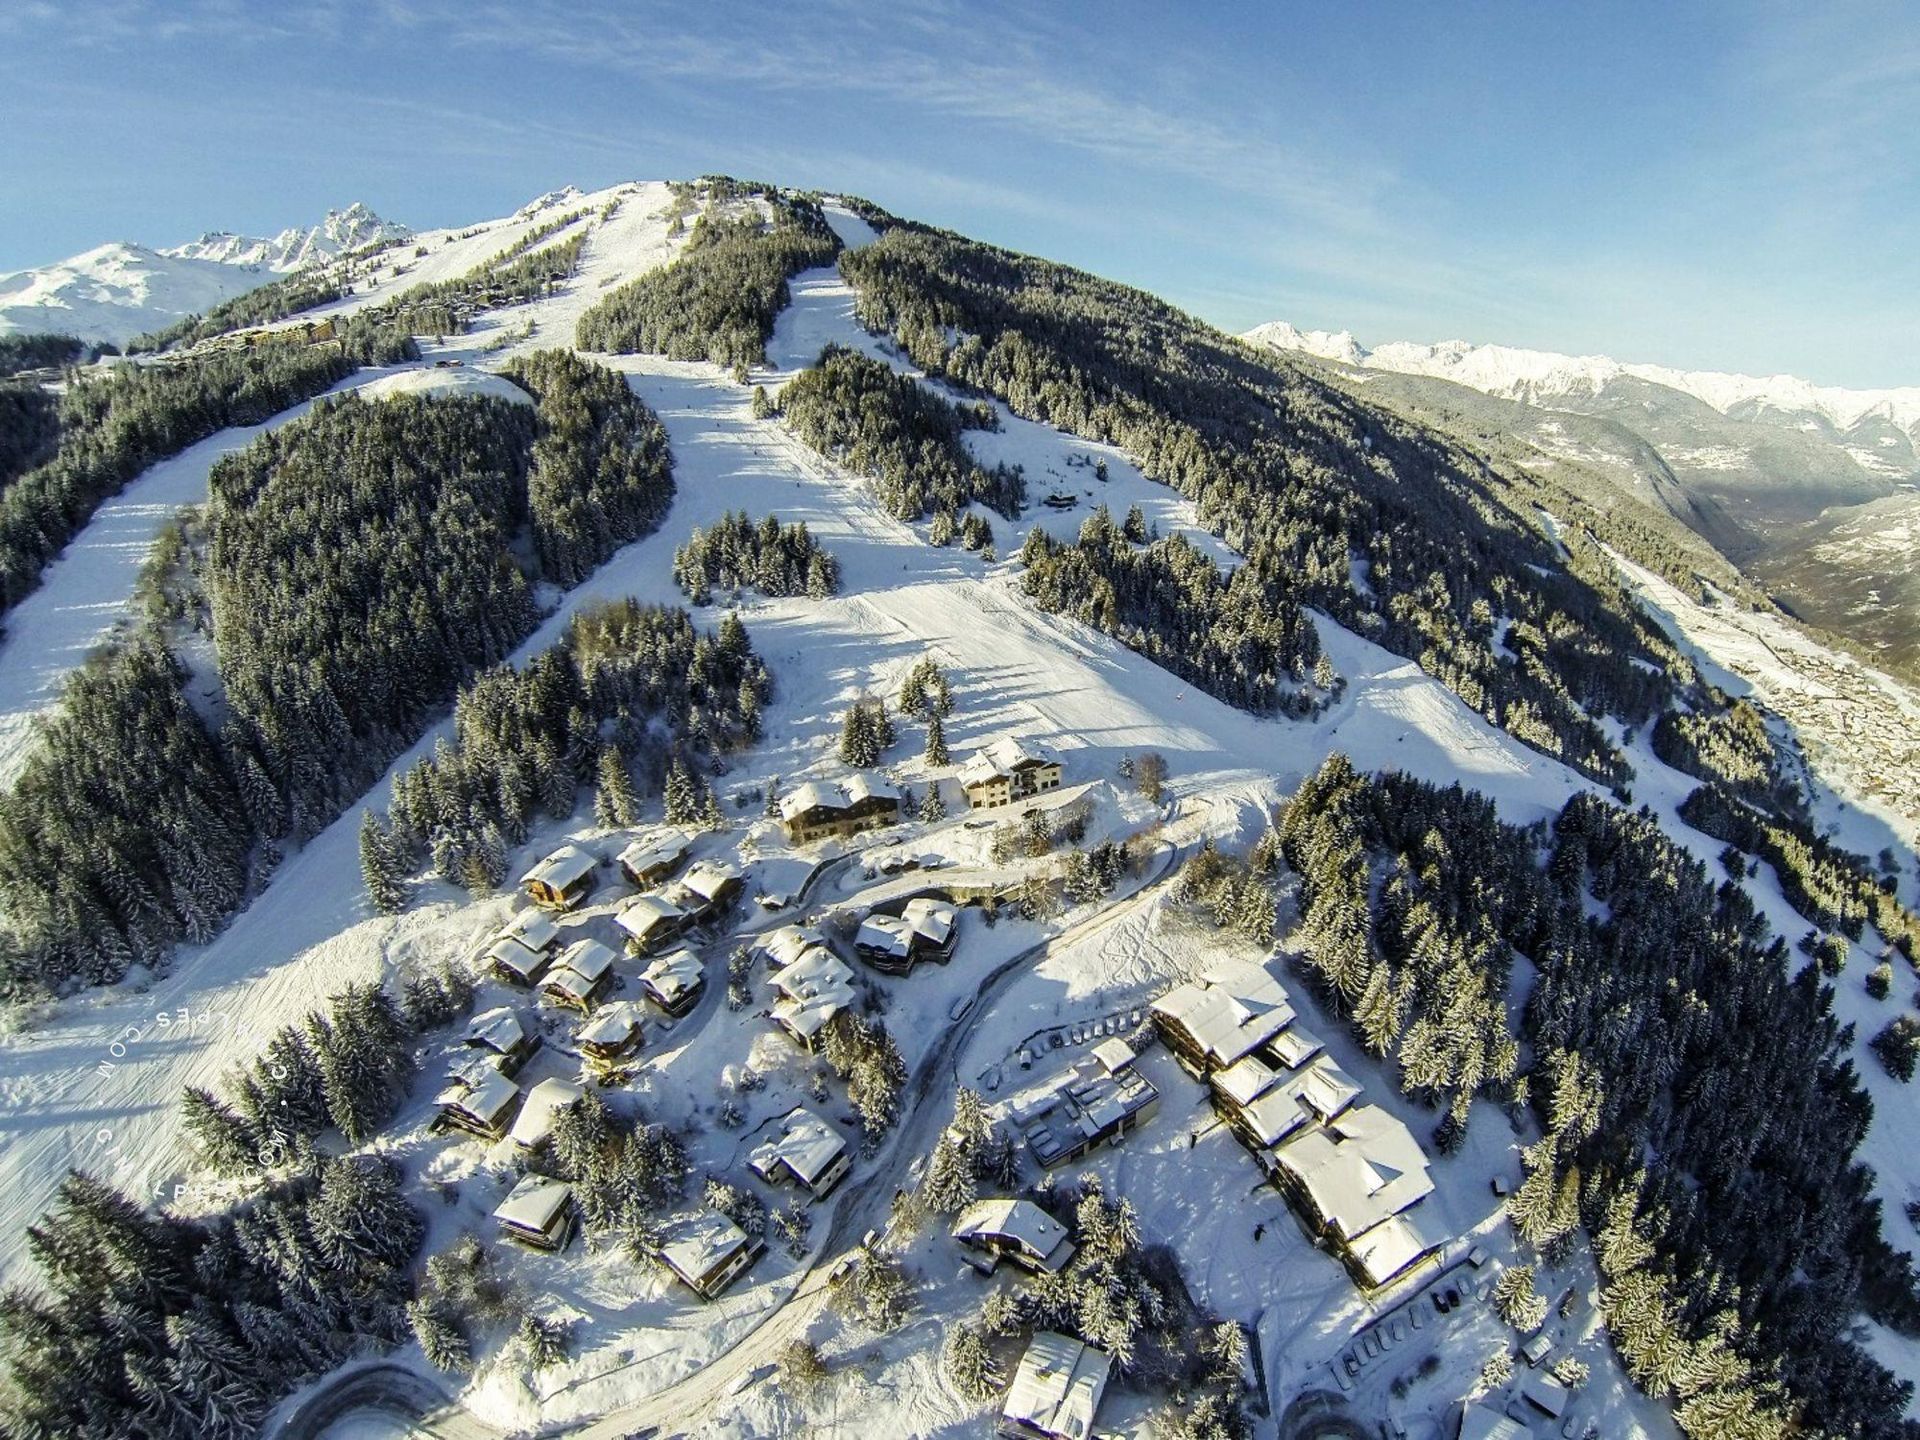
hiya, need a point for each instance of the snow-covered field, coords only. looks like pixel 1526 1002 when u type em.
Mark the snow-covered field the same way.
pixel 94 1081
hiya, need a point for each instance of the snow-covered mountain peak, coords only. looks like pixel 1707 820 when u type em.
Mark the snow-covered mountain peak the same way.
pixel 294 248
pixel 1541 376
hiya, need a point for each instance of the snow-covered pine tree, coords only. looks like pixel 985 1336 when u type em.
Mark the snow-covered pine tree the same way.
pixel 224 1140
pixel 442 1341
pixel 936 753
pixel 614 803
pixel 969 1363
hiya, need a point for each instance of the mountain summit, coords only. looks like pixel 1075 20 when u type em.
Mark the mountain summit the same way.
pixel 294 248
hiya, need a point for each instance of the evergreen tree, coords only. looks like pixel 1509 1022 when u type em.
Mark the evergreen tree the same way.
pixel 932 808
pixel 614 803
pixel 682 799
pixel 441 1339
pixel 385 887
pixel 936 741
pixel 224 1140
pixel 969 1364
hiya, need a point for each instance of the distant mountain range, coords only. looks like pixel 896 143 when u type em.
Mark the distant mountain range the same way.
pixel 116 291
pixel 1799 484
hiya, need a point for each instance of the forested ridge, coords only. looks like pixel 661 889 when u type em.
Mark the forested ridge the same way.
pixel 898 433
pixel 1701 1114
pixel 718 300
pixel 138 821
pixel 1396 531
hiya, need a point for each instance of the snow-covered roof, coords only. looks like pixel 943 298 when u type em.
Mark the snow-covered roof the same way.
pixel 534 1203
pixel 1004 756
pixel 533 928
pixel 644 914
pixel 709 878
pixel 588 959
pixel 1275 1115
pixel 1020 1221
pixel 485 1097
pixel 831 795
pixel 649 852
pixel 1057 1389
pixel 788 943
pixel 1114 1054
pixel 1546 1393
pixel 1295 1045
pixel 614 1025
pixel 1358 1169
pixel 563 868
pixel 1246 1080
pixel 673 974
pixel 535 1121
pixel 816 968
pixel 885 934
pixel 1081 1104
pixel 695 1245
pixel 498 1029
pixel 802 1143
pixel 1483 1422
pixel 512 955
pixel 1324 1087
pixel 1395 1243
pixel 932 920
pixel 1228 1013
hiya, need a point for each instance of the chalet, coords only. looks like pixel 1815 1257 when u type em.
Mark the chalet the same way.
pixel 788 943
pixel 535 929
pixel 482 1103
pixel 535 1122
pixel 803 1149
pixel 1393 1247
pixel 500 1035
pixel 674 981
pixel 1016 1230
pixel 819 810
pixel 538 1212
pixel 1056 1390
pixel 564 879
pixel 1251 1097
pixel 886 943
pixel 936 927
pixel 650 922
pixel 1235 1008
pixel 1063 1119
pixel 654 857
pixel 704 891
pixel 1357 1171
pixel 582 974
pixel 707 1252
pixel 610 1040
pixel 814 990
pixel 1008 770
pixel 1294 1046
pixel 517 964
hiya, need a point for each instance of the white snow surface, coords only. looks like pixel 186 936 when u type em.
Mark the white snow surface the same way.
pixel 93 1081
pixel 441 382
pixel 1538 376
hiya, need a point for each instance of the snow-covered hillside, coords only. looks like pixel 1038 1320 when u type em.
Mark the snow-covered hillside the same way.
pixel 116 291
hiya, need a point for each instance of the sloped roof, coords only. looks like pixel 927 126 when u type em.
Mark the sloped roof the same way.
pixel 1295 1045
pixel 643 914
pixel 1324 1087
pixel 708 878
pixel 614 1025
pixel 932 920
pixel 562 868
pixel 1226 1022
pixel 1359 1168
pixel 1020 1221
pixel 485 1096
pixel 533 928
pixel 535 1121
pixel 832 795
pixel 803 1142
pixel 588 959
pixel 1246 1080
pixel 534 1202
pixel 1113 1054
pixel 660 847
pixel 1058 1386
pixel 1483 1422
pixel 1003 756
pixel 787 943
pixel 510 953
pixel 498 1029
pixel 674 973
pixel 694 1245
pixel 886 934
pixel 816 969
pixel 1395 1243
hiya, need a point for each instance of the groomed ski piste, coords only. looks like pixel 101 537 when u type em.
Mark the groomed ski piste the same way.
pixel 94 1081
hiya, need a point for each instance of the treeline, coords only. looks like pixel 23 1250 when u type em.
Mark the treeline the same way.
pixel 135 824
pixel 263 305
pixel 898 433
pixel 1831 887
pixel 332 654
pixel 174 1329
pixel 1395 530
pixel 601 473
pixel 1241 641
pixel 635 678
pixel 513 277
pixel 1728 747
pixel 29 428
pixel 115 425
pixel 718 301
pixel 736 554
pixel 1700 1111
pixel 38 351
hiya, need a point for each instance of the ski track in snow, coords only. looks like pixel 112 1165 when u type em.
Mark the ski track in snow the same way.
pixel 94 1081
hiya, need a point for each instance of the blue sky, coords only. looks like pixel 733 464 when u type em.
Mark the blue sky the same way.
pixel 1728 186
